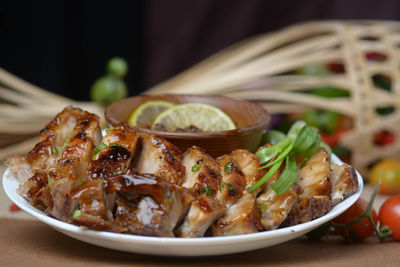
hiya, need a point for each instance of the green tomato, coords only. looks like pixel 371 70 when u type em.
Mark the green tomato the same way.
pixel 117 67
pixel 107 90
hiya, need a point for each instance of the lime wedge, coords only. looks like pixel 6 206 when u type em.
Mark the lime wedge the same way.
pixel 146 112
pixel 205 117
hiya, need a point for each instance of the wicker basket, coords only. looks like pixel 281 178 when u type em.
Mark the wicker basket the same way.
pixel 260 69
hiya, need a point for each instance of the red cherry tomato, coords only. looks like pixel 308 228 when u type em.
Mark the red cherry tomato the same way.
pixel 389 215
pixel 361 230
pixel 13 207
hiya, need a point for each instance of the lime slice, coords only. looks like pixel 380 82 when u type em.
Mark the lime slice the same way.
pixel 205 117
pixel 146 112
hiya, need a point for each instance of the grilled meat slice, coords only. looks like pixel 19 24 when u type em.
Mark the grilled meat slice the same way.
pixel 90 197
pixel 160 157
pixel 45 153
pixel 202 172
pixel 247 163
pixel 147 204
pixel 117 152
pixel 202 178
pixel 344 182
pixel 233 182
pixel 71 169
pixel 19 168
pixel 202 213
pixel 274 209
pixel 314 178
pixel 240 218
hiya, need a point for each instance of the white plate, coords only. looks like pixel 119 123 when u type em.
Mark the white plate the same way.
pixel 180 246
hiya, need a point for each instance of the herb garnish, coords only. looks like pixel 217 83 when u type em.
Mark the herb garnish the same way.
pixel 207 191
pixel 196 167
pixel 228 167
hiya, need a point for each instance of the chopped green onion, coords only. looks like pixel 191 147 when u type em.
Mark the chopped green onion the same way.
pixel 266 177
pixel 327 148
pixel 119 172
pixel 206 190
pixel 228 167
pixel 295 129
pixel 76 214
pixel 55 150
pixel 170 201
pixel 272 137
pixel 98 149
pixel 267 153
pixel 287 178
pixel 281 156
pixel 109 129
pixel 114 144
pixel 195 167
pixel 223 185
pixel 307 142
pixel 65 145
pixel 262 207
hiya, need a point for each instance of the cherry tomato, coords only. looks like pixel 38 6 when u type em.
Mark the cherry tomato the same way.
pixel 384 138
pixel 388 171
pixel 361 230
pixel 389 215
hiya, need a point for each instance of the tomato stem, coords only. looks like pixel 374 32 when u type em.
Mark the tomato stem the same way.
pixel 381 233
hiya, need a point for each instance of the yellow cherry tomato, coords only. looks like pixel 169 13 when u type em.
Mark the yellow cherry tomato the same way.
pixel 388 171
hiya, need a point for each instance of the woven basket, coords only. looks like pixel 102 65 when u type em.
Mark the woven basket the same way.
pixel 260 69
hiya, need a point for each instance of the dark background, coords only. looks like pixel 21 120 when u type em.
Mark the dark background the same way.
pixel 63 45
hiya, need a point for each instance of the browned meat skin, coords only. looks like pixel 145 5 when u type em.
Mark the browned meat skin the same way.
pixel 90 197
pixel 202 178
pixel 121 145
pixel 248 162
pixel 233 182
pixel 95 223
pixel 71 168
pixel 148 205
pixel 344 182
pixel 315 180
pixel 240 218
pixel 160 157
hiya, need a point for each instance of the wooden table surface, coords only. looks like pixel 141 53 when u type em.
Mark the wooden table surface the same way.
pixel 25 241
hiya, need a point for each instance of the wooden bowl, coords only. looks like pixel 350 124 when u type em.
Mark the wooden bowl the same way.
pixel 250 119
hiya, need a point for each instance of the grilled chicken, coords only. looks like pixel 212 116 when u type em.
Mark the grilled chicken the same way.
pixel 71 169
pixel 160 157
pixel 242 217
pixel 314 178
pixel 138 183
pixel 148 205
pixel 60 160
pixel 233 182
pixel 247 163
pixel 274 209
pixel 202 178
pixel 344 182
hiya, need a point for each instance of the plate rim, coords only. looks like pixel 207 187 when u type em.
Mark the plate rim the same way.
pixel 198 241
